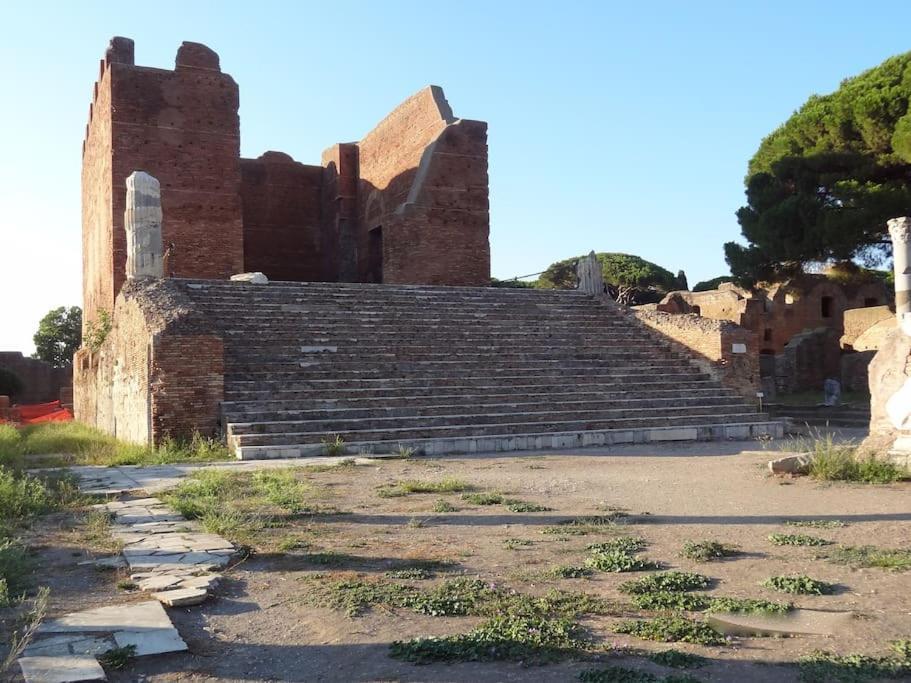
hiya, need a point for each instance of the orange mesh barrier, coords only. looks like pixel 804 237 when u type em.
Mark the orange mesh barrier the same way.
pixel 43 412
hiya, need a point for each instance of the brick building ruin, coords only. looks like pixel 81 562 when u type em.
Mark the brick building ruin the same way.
pixel 408 203
pixel 806 327
pixel 375 325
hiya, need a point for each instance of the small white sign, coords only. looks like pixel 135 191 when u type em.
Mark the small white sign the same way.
pixel 738 348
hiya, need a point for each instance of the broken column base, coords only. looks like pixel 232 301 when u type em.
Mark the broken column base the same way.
pixel 900 453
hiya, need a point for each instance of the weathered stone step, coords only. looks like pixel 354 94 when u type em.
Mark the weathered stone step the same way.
pixel 425 396
pixel 277 420
pixel 486 428
pixel 287 383
pixel 542 374
pixel 424 393
pixel 497 443
pixel 353 352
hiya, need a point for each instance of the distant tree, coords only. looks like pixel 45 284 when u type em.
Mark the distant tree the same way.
pixel 511 284
pixel 706 285
pixel 638 280
pixel 59 336
pixel 821 186
pixel 10 384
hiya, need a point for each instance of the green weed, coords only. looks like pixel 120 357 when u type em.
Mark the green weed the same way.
pixel 678 660
pixel 524 506
pixel 674 629
pixel 672 581
pixel 334 445
pixel 516 543
pixel 412 573
pixel 624 544
pixel 669 600
pixel 870 556
pixel 483 498
pixel 824 667
pixel 619 561
pixel 797 539
pixel 817 523
pixel 840 462
pixel 443 506
pixel 748 606
pixel 621 674
pixel 118 658
pixel 798 584
pixel 404 488
pixel 706 551
pixel 565 571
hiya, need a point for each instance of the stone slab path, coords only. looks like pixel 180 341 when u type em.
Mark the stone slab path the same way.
pixel 66 649
pixel 112 481
pixel 171 557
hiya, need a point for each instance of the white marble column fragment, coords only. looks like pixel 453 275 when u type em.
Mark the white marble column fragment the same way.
pixel 900 231
pixel 589 275
pixel 142 221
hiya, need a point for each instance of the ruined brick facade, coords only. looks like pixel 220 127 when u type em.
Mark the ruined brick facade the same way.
pixel 41 382
pixel 407 204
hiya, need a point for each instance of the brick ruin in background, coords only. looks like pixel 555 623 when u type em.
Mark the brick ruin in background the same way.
pixel 406 204
pixel 806 327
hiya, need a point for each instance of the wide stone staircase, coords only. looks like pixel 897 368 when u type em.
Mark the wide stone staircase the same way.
pixel 390 368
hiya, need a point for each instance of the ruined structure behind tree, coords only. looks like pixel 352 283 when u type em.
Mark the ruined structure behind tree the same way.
pixel 406 204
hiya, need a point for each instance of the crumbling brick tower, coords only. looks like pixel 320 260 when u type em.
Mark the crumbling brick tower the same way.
pixel 407 204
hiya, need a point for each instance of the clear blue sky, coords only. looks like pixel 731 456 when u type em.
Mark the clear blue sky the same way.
pixel 613 126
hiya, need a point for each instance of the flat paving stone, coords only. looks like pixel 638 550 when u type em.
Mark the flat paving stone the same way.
pixel 130 617
pixel 63 669
pixel 182 597
pixel 153 642
pixel 56 646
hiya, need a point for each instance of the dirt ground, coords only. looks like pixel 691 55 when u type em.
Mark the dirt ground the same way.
pixel 260 626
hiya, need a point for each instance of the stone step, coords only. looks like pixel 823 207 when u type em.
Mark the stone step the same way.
pixel 498 443
pixel 352 352
pixel 505 376
pixel 280 421
pixel 336 400
pixel 427 394
pixel 486 428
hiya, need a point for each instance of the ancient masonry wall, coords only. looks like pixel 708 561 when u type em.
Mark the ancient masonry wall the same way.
pixel 41 381
pixel 726 351
pixel 407 204
pixel 159 372
pixel 423 183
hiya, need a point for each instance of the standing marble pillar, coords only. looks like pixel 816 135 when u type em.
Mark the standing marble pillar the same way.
pixel 142 221
pixel 900 231
pixel 589 275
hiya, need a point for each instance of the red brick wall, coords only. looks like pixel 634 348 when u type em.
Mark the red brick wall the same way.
pixel 41 381
pixel 423 179
pixel 187 385
pixel 281 216
pixel 182 127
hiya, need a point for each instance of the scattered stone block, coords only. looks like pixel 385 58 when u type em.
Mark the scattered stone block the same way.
pixel 182 597
pixel 152 642
pixel 61 669
pixel 791 464
pixel 253 278
pixel 140 615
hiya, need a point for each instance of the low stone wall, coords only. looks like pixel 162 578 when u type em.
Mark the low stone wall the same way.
pixel 725 350
pixel 158 374
pixel 808 360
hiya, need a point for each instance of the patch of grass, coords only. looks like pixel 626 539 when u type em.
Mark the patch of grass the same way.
pixel 334 445
pixel 405 452
pixel 748 606
pixel 706 551
pixel 514 505
pixel 869 556
pixel 443 505
pixel 621 674
pixel 824 667
pixel 566 571
pixel 532 640
pixel 619 561
pixel 797 539
pixel 798 584
pixel 595 520
pixel 16 568
pixel 412 573
pixel 118 658
pixel 840 462
pixel 565 531
pixel 516 543
pixel 817 523
pixel 677 659
pixel 669 600
pixel 127 585
pixel 672 581
pixel 95 531
pixel 74 443
pixel 625 544
pixel 404 488
pixel 483 498
pixel 673 629
pixel 28 626
pixel 286 545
